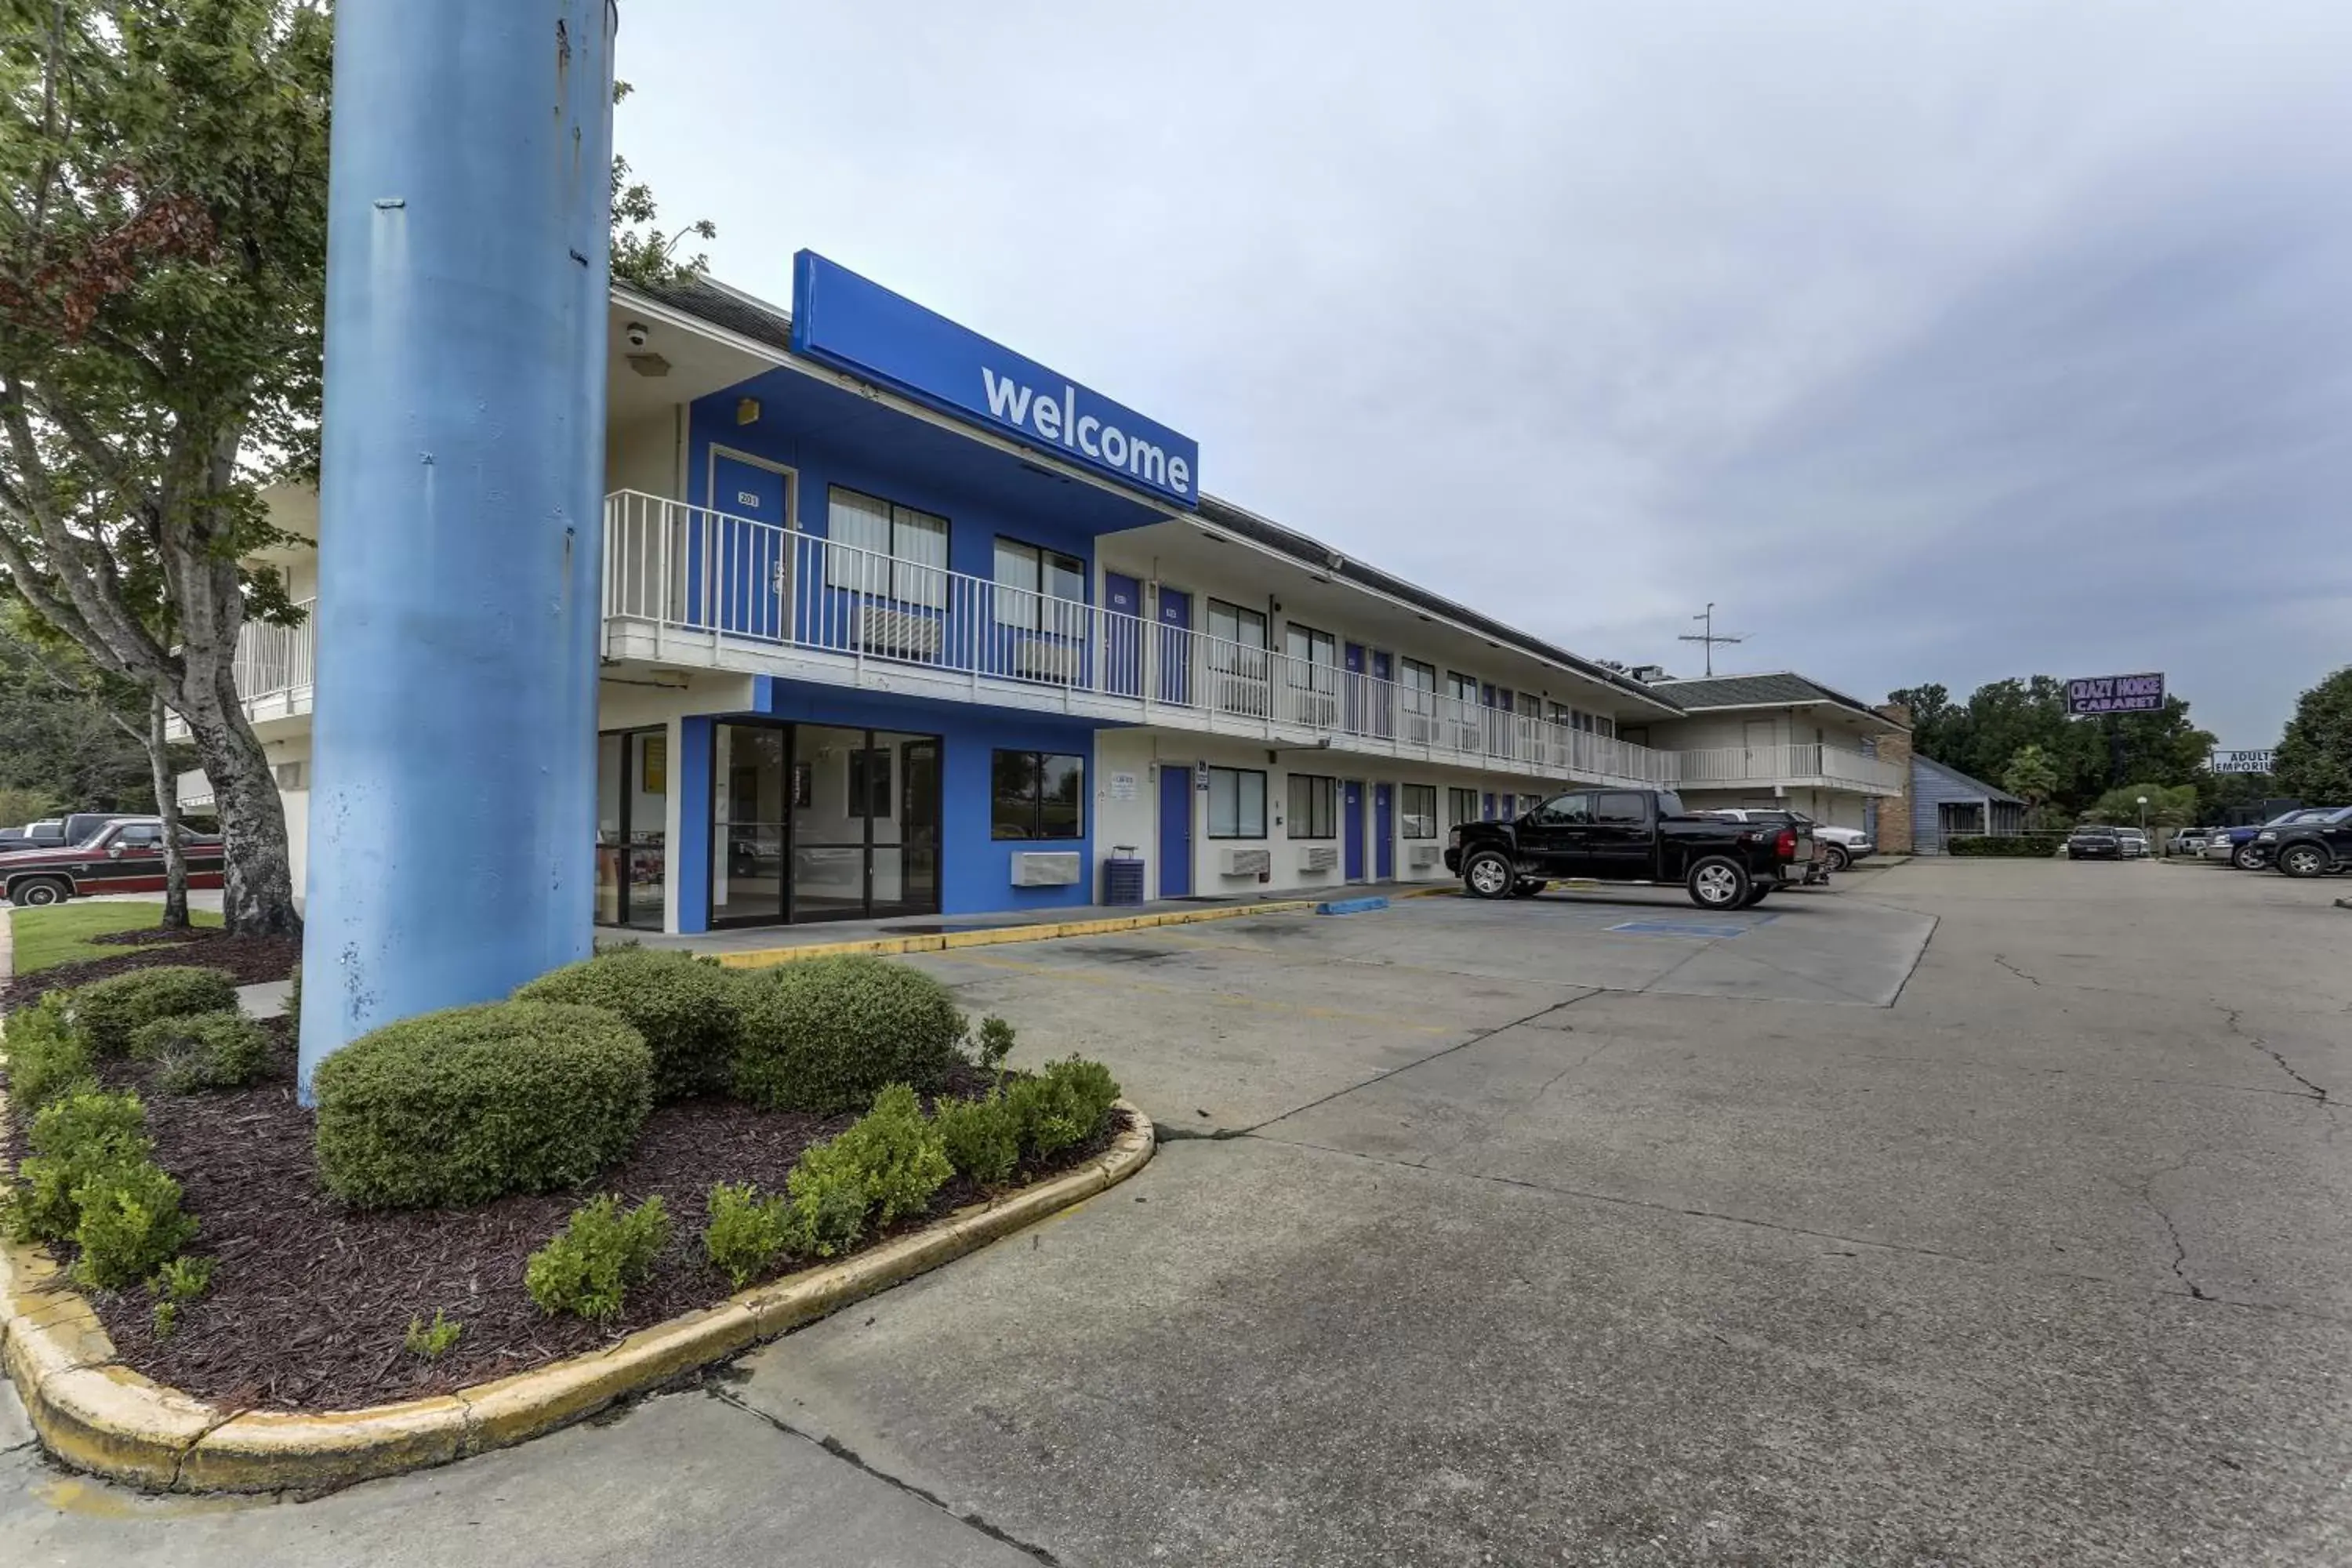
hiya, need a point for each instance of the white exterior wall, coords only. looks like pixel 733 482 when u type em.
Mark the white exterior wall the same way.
pixel 648 455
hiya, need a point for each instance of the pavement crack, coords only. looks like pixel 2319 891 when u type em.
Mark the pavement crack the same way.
pixel 2180 1247
pixel 2310 1089
pixel 844 1452
pixel 2002 959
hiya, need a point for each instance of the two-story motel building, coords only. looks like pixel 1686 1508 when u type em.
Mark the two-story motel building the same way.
pixel 896 621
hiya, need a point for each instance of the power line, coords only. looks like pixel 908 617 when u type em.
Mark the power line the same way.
pixel 1709 637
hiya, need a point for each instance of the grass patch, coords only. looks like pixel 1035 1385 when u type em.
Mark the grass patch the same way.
pixel 61 933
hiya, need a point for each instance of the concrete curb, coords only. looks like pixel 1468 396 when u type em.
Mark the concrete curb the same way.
pixel 95 1414
pixel 1045 931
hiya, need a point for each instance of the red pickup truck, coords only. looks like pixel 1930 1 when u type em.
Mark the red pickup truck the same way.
pixel 123 857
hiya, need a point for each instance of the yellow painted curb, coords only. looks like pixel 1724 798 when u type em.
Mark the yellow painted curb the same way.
pixel 96 1415
pixel 1043 930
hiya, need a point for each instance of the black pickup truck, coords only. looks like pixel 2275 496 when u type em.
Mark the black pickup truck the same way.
pixel 1634 836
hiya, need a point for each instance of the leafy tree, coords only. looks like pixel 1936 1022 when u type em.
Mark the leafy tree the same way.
pixel 642 254
pixel 2089 755
pixel 60 749
pixel 2314 755
pixel 2169 806
pixel 2031 776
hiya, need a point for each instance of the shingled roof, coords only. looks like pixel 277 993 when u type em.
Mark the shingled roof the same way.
pixel 1780 688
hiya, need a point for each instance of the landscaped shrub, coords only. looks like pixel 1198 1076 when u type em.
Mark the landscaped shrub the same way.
pixel 828 1204
pixel 107 1012
pixel 131 1225
pixel 982 1137
pixel 74 1139
pixel 994 1043
pixel 203 1050
pixel 826 1034
pixel 177 1283
pixel 748 1233
pixel 601 1250
pixel 2038 847
pixel 1061 1106
pixel 897 1152
pixel 685 1006
pixel 462 1106
pixel 46 1057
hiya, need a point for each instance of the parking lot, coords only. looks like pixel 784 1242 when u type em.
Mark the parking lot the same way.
pixel 1962 1214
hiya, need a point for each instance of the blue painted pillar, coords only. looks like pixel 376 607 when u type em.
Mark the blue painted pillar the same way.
pixel 453 812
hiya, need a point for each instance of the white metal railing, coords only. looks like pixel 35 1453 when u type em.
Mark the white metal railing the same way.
pixel 274 660
pixel 1785 764
pixel 708 574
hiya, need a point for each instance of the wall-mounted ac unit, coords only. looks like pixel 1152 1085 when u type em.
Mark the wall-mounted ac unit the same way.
pixel 1421 857
pixel 1045 868
pixel 1046 659
pixel 1322 856
pixel 1248 862
pixel 899 634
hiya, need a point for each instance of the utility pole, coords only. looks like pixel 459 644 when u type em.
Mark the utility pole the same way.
pixel 1709 637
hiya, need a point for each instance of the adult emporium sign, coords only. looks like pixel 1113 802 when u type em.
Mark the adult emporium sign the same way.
pixel 2116 694
pixel 2257 762
pixel 856 324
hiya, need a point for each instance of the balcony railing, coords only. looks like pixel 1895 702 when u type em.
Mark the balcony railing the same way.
pixel 1809 763
pixel 702 580
pixel 272 670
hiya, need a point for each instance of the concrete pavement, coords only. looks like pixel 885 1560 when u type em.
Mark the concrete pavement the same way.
pixel 1495 1246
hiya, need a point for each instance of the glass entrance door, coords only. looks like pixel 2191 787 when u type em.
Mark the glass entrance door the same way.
pixel 814 822
pixel 631 827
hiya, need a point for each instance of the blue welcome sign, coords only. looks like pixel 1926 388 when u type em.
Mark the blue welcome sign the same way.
pixel 851 322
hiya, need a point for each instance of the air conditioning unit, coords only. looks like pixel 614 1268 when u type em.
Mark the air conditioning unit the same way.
pixel 1322 856
pixel 1045 868
pixel 1046 659
pixel 1248 862
pixel 1421 857
pixel 899 634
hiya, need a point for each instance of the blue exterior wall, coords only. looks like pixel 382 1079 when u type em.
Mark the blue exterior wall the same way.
pixel 975 869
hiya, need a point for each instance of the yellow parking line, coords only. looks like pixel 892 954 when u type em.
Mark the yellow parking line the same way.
pixel 1232 999
pixel 1043 930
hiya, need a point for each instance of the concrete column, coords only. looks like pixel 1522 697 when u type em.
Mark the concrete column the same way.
pixel 1895 836
pixel 453 821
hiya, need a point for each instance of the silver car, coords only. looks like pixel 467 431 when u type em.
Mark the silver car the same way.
pixel 2135 843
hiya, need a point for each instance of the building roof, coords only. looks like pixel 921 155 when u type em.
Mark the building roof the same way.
pixel 750 317
pixel 1954 775
pixel 1779 688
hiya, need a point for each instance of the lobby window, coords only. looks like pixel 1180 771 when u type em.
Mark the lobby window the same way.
pixel 908 559
pixel 1037 589
pixel 1462 805
pixel 1039 794
pixel 869 782
pixel 1237 803
pixel 1314 807
pixel 1419 811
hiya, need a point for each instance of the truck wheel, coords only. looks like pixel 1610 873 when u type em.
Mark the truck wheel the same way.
pixel 1757 895
pixel 38 893
pixel 1838 857
pixel 2303 860
pixel 1720 882
pixel 2249 858
pixel 1488 875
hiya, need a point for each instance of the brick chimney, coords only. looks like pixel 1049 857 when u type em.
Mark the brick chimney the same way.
pixel 1894 816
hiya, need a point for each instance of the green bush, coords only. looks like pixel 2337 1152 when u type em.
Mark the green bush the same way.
pixel 827 1034
pixel 748 1233
pixel 601 1251
pixel 898 1150
pixel 431 1341
pixel 462 1106
pixel 1063 1106
pixel 994 1045
pixel 203 1050
pixel 184 1279
pixel 108 1012
pixel 47 1058
pixel 2021 846
pixel 982 1137
pixel 131 1225
pixel 685 1006
pixel 74 1140
pixel 828 1204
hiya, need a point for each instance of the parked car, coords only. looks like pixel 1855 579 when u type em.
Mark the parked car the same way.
pixel 59 832
pixel 2244 846
pixel 125 856
pixel 2134 841
pixel 2094 844
pixel 1840 847
pixel 2188 840
pixel 1636 837
pixel 2312 845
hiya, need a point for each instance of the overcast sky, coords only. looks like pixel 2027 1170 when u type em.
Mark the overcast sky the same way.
pixel 1935 342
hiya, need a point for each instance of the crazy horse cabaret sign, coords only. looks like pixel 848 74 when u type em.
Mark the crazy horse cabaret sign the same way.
pixel 2116 694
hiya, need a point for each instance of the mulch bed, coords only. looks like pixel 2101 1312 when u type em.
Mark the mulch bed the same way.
pixel 310 1300
pixel 251 959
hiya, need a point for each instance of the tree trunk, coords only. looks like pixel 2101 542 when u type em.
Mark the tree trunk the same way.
pixel 167 806
pixel 257 881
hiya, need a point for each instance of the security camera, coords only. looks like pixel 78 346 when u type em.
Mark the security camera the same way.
pixel 637 334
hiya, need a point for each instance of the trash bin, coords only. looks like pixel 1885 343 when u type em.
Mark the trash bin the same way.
pixel 1123 876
